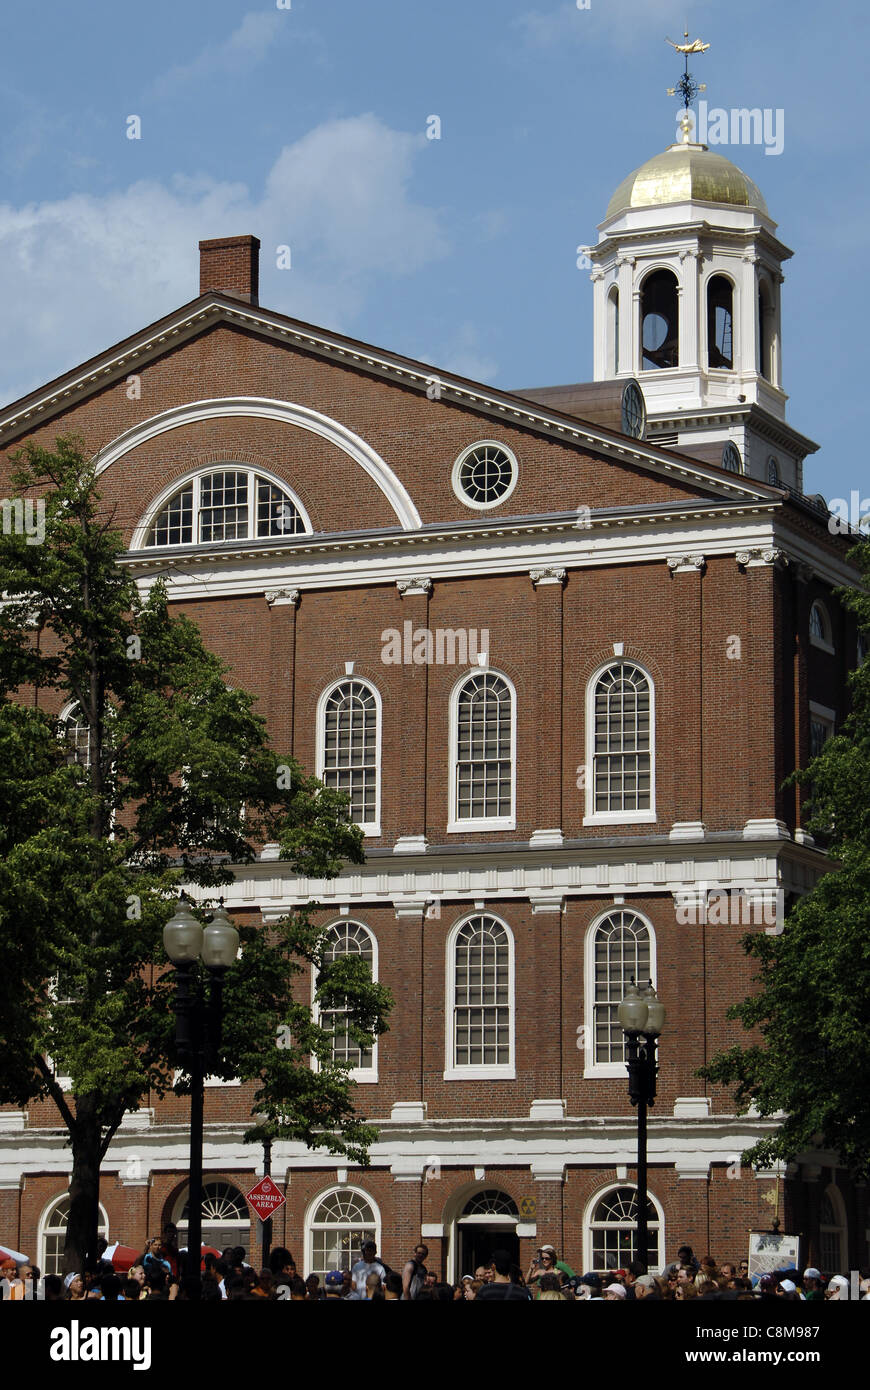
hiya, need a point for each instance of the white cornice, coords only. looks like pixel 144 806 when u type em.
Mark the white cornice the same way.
pixel 496 404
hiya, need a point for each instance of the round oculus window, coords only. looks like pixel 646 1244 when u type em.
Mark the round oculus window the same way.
pixel 633 411
pixel 485 474
pixel 731 460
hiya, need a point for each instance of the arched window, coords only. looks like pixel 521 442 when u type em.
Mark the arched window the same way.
pixel 731 460
pixel 231 504
pixel 820 627
pixel 612 1231
pixel 483 745
pixel 773 473
pixel 620 745
pixel 76 734
pixel 52 1234
pixel 488 1203
pixel 720 322
pixel 349 748
pixel 833 1254
pixel 226 1219
pixel 348 938
pixel 619 948
pixel 765 330
pixel 480 999
pixel 613 332
pixel 659 320
pixel 338 1225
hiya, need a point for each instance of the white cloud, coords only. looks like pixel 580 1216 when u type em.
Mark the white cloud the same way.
pixel 624 22
pixel 464 355
pixel 79 273
pixel 243 50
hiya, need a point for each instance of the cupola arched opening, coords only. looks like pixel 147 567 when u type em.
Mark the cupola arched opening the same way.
pixel 720 322
pixel 659 320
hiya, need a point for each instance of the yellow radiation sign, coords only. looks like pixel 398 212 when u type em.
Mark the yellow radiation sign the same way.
pixel 528 1207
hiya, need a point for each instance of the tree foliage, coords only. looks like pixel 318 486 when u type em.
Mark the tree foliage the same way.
pixel 173 780
pixel 811 1009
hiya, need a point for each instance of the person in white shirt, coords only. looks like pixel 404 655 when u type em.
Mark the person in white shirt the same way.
pixel 369 1264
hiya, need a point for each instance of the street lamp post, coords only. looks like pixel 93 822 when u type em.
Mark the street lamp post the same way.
pixel 642 1016
pixel 198 1036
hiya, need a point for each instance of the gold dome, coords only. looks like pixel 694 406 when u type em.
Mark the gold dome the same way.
pixel 684 173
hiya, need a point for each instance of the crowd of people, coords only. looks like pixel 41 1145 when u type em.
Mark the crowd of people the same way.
pixel 159 1275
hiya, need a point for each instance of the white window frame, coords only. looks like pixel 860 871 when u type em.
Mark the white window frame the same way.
pixel 308 1226
pixel 593 817
pixel 588 1239
pixel 454 825
pixel 369 828
pixel 825 642
pixel 139 539
pixel 363 1075
pixel 457 472
pixel 840 1229
pixel 43 1229
pixel 504 1071
pixel 822 714
pixel 592 1069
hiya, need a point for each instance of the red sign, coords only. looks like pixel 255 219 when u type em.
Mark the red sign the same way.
pixel 265 1198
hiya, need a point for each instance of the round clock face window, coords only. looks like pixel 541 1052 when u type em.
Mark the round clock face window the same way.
pixel 731 458
pixel 633 411
pixel 485 474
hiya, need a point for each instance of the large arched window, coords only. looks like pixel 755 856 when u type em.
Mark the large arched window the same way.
pixel 720 322
pixel 226 1219
pixel 766 330
pixel 337 1225
pixel 482 753
pixel 620 947
pixel 229 504
pixel 52 1234
pixel 611 1231
pixel 347 938
pixel 620 745
pixel 349 748
pixel 659 320
pixel 833 1253
pixel 821 634
pixel 76 734
pixel 480 999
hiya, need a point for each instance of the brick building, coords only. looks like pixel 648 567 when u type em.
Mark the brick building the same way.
pixel 561 646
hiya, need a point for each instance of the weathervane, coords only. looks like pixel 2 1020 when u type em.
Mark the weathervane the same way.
pixel 687 87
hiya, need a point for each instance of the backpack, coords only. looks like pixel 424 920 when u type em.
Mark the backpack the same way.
pixel 418 1278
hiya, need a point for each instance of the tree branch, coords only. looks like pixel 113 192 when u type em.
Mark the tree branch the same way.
pixel 56 1093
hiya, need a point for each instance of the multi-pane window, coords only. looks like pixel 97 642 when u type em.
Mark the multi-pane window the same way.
pixel 54 1227
pixel 821 729
pixel 484 749
pixel 621 952
pixel 340 1224
pixel 622 741
pixel 831 1233
pixel 226 1219
pixel 482 994
pixel 347 939
pixel 77 737
pixel 350 748
pixel 485 474
pixel 228 505
pixel 820 627
pixel 614 1231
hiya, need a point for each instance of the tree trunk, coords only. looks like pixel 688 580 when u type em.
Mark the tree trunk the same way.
pixel 80 1250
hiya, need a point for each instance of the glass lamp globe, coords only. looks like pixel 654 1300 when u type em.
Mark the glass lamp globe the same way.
pixel 220 942
pixel 182 936
pixel 632 1011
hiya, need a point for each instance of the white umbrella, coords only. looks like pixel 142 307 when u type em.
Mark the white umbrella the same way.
pixel 7 1253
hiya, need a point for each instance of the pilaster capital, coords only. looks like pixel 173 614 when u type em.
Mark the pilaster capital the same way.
pixel 281 598
pixel 684 564
pixel 549 575
pixel 420 584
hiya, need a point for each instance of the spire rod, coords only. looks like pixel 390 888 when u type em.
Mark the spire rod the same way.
pixel 687 87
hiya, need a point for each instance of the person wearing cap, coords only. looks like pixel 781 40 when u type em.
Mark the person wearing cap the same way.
pixel 787 1290
pixel 614 1292
pixel 813 1288
pixel 589 1288
pixel 334 1283
pixel 546 1263
pixel 369 1264
pixel 837 1290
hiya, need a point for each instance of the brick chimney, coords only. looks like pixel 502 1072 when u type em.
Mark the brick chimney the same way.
pixel 231 265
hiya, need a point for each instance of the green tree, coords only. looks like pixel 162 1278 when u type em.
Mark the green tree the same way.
pixel 170 778
pixel 811 1009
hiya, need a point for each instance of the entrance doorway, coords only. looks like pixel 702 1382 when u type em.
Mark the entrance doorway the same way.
pixel 477 1243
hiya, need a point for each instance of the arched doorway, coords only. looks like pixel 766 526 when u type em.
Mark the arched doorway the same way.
pixel 226 1219
pixel 487 1222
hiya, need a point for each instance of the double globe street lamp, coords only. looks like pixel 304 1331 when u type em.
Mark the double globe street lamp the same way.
pixel 642 1017
pixel 198 1035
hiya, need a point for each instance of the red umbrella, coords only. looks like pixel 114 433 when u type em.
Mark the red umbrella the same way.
pixel 206 1250
pixel 123 1257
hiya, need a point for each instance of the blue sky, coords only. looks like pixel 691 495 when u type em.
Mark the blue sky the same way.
pixel 307 127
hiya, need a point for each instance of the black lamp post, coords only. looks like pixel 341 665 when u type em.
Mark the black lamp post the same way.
pixel 642 1016
pixel 198 1035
